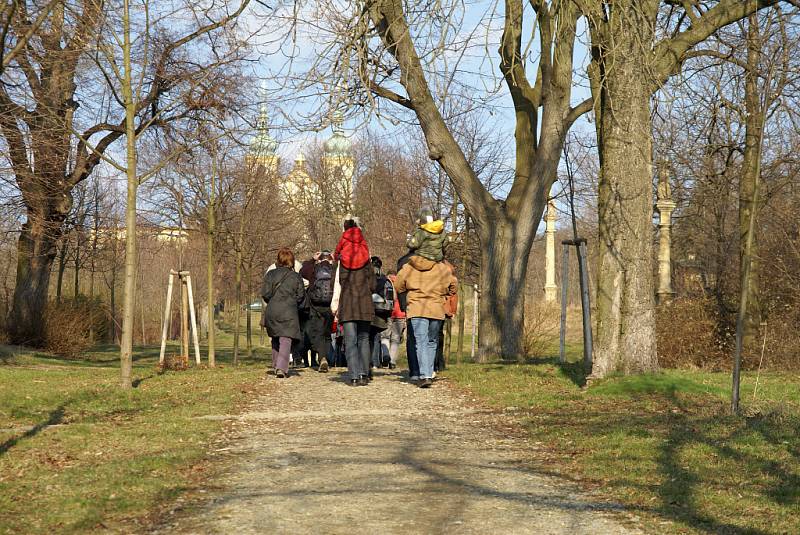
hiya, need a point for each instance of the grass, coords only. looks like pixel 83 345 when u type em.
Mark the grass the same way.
pixel 663 444
pixel 78 454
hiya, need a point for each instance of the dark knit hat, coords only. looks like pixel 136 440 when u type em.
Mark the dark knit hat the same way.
pixel 425 215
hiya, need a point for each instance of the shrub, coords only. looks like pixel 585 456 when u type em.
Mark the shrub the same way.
pixel 72 327
pixel 541 328
pixel 691 334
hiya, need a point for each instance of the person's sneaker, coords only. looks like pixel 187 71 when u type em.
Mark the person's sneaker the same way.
pixel 392 365
pixel 414 378
pixel 363 381
pixel 280 374
pixel 354 382
pixel 425 383
pixel 323 367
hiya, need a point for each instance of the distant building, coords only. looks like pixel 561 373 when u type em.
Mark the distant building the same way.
pixel 263 147
pixel 298 186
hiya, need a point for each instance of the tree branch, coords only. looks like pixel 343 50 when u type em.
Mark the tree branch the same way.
pixel 669 54
pixel 388 94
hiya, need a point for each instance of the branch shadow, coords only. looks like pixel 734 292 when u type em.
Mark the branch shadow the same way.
pixel 55 417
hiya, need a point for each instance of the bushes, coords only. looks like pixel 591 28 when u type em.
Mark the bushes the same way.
pixel 691 334
pixel 541 328
pixel 72 327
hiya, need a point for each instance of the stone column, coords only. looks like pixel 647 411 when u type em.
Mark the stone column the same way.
pixel 550 287
pixel 665 206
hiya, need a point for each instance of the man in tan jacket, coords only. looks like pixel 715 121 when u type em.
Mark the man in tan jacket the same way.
pixel 428 285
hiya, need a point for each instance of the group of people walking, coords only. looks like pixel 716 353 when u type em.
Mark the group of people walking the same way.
pixel 345 298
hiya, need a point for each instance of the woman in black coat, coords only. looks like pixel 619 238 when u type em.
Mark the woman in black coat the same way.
pixel 283 292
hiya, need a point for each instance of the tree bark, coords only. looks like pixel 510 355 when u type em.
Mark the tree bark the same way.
pixel 210 260
pixel 36 251
pixel 504 264
pixel 126 346
pixel 238 300
pixel 754 127
pixel 625 337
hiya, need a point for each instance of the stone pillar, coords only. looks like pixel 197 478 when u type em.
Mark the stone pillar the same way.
pixel 665 206
pixel 550 287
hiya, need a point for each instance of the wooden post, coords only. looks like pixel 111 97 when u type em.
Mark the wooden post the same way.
pixel 184 318
pixel 586 306
pixel 167 317
pixel 249 319
pixel 193 318
pixel 475 297
pixel 461 323
pixel 564 284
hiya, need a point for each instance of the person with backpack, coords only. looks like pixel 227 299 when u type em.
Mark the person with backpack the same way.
pixel 392 337
pixel 283 292
pixel 383 301
pixel 319 273
pixel 354 283
pixel 428 284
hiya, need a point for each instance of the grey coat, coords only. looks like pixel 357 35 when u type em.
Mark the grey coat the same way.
pixel 283 292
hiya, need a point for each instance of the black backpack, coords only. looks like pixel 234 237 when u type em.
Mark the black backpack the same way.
pixel 321 292
pixel 383 298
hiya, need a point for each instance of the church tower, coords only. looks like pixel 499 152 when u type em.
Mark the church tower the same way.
pixel 298 187
pixel 338 162
pixel 263 146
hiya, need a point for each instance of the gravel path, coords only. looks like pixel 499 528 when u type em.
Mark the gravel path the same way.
pixel 316 456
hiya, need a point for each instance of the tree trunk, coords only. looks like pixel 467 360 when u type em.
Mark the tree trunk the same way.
pixel 463 294
pixel 625 337
pixel 238 302
pixel 249 324
pixel 210 263
pixel 36 251
pixel 504 263
pixel 126 346
pixel 754 126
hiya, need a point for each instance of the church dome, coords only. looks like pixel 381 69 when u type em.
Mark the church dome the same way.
pixel 338 144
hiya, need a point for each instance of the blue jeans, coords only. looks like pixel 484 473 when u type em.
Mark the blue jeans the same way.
pixel 356 347
pixel 426 334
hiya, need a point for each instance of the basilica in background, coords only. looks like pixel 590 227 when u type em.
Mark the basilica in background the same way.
pixel 333 187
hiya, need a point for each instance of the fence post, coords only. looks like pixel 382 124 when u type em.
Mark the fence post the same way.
pixel 476 295
pixel 564 284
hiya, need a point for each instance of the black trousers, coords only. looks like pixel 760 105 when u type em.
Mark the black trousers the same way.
pixel 438 363
pixel 317 333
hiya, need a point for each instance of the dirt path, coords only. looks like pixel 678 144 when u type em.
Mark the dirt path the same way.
pixel 316 456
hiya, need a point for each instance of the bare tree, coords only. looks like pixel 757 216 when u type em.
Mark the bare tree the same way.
pixel 49 105
pixel 392 53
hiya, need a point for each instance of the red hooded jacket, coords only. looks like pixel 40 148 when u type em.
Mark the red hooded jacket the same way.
pixel 352 250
